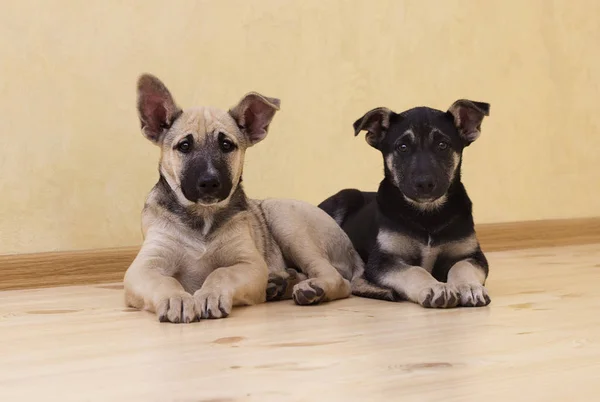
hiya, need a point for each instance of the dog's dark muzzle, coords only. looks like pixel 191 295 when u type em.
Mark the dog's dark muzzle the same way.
pixel 425 188
pixel 207 186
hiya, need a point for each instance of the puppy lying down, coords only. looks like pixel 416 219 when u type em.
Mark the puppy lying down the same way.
pixel 207 247
pixel 416 234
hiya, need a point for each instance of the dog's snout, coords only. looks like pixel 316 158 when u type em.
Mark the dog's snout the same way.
pixel 425 184
pixel 209 184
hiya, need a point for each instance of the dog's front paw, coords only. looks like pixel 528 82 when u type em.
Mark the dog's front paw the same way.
pixel 439 295
pixel 277 286
pixel 213 303
pixel 308 292
pixel 281 284
pixel 177 309
pixel 473 295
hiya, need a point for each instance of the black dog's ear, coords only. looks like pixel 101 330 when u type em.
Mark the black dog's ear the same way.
pixel 468 116
pixel 156 108
pixel 375 122
pixel 253 115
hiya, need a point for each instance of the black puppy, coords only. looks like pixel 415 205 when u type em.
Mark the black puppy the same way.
pixel 416 234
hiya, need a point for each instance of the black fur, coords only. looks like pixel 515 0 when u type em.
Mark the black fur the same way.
pixel 399 206
pixel 166 198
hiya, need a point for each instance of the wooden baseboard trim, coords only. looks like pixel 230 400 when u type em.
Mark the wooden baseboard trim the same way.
pixel 64 268
pixel 537 234
pixel 20 271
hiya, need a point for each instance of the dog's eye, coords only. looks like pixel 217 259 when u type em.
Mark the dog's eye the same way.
pixel 226 145
pixel 402 147
pixel 442 146
pixel 184 146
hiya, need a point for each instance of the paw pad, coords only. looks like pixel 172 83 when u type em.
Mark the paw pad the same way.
pixel 309 294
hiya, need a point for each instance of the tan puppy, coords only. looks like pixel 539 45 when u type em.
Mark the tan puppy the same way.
pixel 206 246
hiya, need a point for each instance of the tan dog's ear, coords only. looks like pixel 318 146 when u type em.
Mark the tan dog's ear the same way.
pixel 468 116
pixel 156 107
pixel 253 115
pixel 375 122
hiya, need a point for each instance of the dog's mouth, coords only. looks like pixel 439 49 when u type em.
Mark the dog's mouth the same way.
pixel 209 201
pixel 426 200
pixel 204 196
pixel 432 197
pixel 205 200
pixel 429 202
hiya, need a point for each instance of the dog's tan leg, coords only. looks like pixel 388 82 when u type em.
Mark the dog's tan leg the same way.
pixel 468 277
pixel 281 284
pixel 324 284
pixel 314 243
pixel 241 284
pixel 149 286
pixel 418 286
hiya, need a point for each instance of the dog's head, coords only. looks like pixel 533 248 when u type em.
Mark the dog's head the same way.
pixel 422 147
pixel 202 149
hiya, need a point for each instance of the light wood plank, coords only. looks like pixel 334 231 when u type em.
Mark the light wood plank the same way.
pixel 538 340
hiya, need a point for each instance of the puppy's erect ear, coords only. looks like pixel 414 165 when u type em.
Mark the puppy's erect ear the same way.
pixel 156 107
pixel 253 115
pixel 375 122
pixel 468 116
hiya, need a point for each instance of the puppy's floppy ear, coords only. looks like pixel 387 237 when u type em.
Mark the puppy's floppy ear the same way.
pixel 468 116
pixel 156 108
pixel 375 122
pixel 253 115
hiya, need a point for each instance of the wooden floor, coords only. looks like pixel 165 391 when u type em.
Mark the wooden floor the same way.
pixel 538 340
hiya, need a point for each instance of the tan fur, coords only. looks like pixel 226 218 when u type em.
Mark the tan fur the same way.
pixel 469 280
pixel 417 283
pixel 418 286
pixel 397 243
pixel 182 273
pixel 428 206
pixel 175 261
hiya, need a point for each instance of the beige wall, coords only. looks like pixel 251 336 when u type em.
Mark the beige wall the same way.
pixel 75 168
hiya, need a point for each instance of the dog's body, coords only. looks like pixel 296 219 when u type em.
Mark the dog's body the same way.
pixel 416 234
pixel 207 247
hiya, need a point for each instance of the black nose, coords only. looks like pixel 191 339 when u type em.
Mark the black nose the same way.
pixel 209 184
pixel 425 184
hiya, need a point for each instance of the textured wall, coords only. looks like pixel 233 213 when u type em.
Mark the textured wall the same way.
pixel 75 169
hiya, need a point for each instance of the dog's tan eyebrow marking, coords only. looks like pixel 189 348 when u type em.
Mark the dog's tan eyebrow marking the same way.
pixel 437 131
pixel 408 133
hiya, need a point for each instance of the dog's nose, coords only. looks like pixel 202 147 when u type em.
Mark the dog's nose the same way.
pixel 209 184
pixel 425 184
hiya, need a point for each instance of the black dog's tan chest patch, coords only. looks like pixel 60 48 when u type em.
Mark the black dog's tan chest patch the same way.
pixel 411 251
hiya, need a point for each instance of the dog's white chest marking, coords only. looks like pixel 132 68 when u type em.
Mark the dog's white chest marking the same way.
pixel 207 225
pixel 428 255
